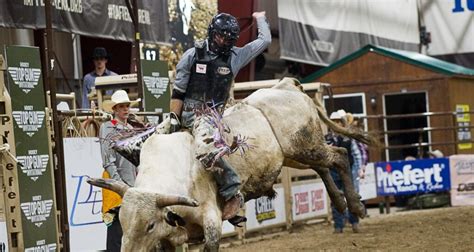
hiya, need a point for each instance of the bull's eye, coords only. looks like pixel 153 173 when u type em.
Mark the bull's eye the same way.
pixel 150 227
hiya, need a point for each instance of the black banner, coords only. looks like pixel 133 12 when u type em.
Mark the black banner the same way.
pixel 105 18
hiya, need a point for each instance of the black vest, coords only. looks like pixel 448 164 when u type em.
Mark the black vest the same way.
pixel 211 79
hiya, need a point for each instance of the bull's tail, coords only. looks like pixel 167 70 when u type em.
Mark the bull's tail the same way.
pixel 356 134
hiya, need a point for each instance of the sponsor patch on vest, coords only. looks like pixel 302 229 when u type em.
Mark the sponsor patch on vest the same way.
pixel 223 70
pixel 201 68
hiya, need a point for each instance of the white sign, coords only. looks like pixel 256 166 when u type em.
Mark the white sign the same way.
pixel 24 77
pixel 33 165
pixel 42 246
pixel 82 160
pixel 368 185
pixel 29 120
pixel 309 200
pixel 265 212
pixel 37 210
pixel 155 84
pixel 3 237
pixel 462 180
pixel 227 228
pixel 449 17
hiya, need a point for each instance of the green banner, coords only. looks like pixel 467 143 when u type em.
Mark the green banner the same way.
pixel 35 176
pixel 156 88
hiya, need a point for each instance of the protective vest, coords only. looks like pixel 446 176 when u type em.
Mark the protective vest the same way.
pixel 210 79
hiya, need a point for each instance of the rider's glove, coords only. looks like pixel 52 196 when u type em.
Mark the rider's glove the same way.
pixel 175 122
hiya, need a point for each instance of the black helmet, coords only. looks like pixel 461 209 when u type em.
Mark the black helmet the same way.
pixel 226 26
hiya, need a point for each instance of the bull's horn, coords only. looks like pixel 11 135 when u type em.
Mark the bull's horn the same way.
pixel 169 200
pixel 117 186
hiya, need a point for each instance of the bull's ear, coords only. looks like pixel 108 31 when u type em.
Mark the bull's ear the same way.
pixel 117 186
pixel 174 219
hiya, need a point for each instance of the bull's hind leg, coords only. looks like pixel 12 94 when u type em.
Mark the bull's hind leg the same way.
pixel 337 197
pixel 335 158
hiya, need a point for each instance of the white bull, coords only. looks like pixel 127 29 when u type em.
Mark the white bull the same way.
pixel 175 200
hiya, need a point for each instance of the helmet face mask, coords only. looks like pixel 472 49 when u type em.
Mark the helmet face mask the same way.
pixel 223 33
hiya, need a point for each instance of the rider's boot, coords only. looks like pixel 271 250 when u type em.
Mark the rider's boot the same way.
pixel 228 184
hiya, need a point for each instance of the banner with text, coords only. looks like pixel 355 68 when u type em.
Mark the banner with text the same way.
pixel 451 25
pixel 35 175
pixel 411 177
pixel 82 160
pixel 368 184
pixel 264 211
pixel 322 32
pixel 462 180
pixel 156 88
pixel 309 200
pixel 107 19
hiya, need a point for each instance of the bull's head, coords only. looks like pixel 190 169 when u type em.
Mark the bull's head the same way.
pixel 146 220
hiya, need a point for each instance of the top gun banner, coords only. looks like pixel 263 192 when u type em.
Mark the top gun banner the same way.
pixel 106 18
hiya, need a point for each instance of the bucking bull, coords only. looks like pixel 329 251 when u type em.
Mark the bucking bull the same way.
pixel 175 199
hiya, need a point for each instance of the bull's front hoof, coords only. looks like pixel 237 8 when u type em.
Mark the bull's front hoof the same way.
pixel 340 205
pixel 358 210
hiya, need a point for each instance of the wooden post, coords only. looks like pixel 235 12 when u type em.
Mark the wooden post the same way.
pixel 286 181
pixel 455 132
pixel 59 173
pixel 9 170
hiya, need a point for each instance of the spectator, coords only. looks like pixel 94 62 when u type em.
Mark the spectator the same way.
pixel 344 142
pixel 116 166
pixel 100 58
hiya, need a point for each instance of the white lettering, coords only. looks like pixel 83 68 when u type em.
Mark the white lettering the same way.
pixel 409 178
pixel 397 178
pixel 417 176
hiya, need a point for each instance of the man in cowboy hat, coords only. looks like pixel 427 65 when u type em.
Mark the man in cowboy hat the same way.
pixel 100 58
pixel 353 153
pixel 115 166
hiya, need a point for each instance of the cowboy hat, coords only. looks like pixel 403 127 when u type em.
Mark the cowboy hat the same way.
pixel 335 116
pixel 436 154
pixel 100 53
pixel 118 97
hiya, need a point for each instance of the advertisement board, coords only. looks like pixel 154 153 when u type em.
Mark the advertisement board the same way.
pixel 156 88
pixel 464 132
pixel 227 228
pixel 35 175
pixel 309 200
pixel 411 177
pixel 105 19
pixel 368 185
pixel 82 160
pixel 462 180
pixel 264 211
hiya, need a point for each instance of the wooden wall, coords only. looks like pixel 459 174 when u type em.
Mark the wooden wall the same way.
pixel 461 91
pixel 376 75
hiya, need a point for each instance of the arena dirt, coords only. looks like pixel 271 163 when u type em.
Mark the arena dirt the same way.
pixel 446 229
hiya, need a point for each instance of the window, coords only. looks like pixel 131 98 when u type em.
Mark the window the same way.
pixel 353 103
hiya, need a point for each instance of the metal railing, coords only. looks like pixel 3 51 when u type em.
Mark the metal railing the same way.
pixel 453 129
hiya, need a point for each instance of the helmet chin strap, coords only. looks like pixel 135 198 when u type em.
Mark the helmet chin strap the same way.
pixel 217 49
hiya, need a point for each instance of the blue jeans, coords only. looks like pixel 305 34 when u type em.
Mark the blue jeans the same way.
pixel 339 218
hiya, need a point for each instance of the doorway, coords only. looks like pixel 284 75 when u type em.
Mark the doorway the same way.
pixel 402 104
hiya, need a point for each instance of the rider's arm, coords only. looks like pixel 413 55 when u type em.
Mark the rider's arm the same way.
pixel 183 72
pixel 251 50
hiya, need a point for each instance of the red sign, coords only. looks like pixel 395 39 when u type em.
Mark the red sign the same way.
pixel 302 203
pixel 317 200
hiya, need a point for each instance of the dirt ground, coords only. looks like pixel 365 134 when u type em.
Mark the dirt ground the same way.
pixel 446 229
